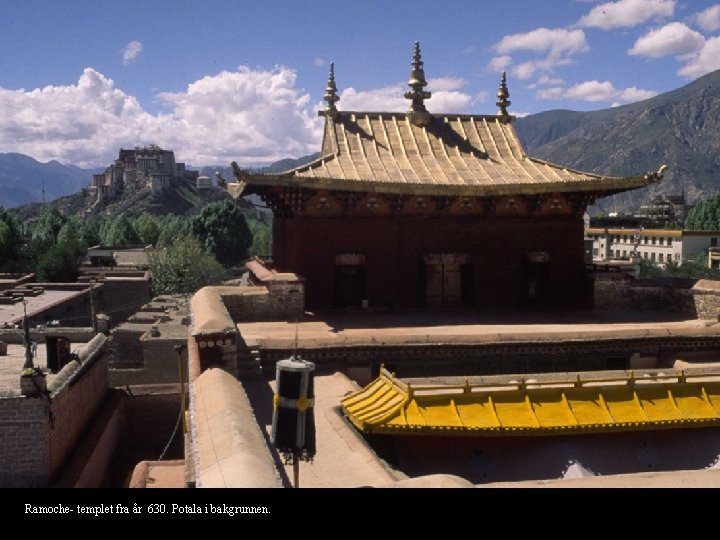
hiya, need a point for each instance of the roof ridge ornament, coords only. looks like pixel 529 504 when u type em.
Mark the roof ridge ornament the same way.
pixel 418 114
pixel 503 94
pixel 331 96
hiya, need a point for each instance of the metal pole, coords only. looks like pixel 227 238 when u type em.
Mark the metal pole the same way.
pixel 92 306
pixel 28 348
pixel 296 468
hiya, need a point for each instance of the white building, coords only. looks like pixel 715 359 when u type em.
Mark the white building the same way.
pixel 658 245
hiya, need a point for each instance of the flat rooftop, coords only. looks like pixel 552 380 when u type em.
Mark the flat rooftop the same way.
pixel 12 364
pixel 13 313
pixel 348 329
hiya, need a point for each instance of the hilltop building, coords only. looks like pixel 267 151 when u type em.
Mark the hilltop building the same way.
pixel 143 166
pixel 430 210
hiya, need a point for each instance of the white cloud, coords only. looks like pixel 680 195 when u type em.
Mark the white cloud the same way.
pixel 446 99
pixel 705 61
pixel 500 63
pixel 131 51
pixel 556 42
pixel 547 81
pixel 596 91
pixel 557 45
pixel 672 39
pixel 709 19
pixel 627 13
pixel 445 84
pixel 319 62
pixel 250 116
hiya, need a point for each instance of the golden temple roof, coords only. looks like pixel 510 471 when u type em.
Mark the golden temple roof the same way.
pixel 389 406
pixel 420 153
pixel 453 155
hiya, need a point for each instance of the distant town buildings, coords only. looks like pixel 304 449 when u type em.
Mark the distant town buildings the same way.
pixel 146 166
pixel 657 245
pixel 663 211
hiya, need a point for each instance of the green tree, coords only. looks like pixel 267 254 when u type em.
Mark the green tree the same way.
pixel 223 231
pixel 705 216
pixel 90 229
pixel 147 228
pixel 649 270
pixel 261 238
pixel 171 229
pixel 121 233
pixel 11 241
pixel 60 262
pixel 49 225
pixel 184 267
pixel 69 232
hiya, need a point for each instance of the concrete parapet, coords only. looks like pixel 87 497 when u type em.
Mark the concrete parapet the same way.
pixel 228 448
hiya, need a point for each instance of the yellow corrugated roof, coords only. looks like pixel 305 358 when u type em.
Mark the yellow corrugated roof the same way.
pixel 390 406
pixel 453 154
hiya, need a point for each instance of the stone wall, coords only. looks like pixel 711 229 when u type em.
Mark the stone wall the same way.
pixel 38 435
pixel 282 298
pixel 697 299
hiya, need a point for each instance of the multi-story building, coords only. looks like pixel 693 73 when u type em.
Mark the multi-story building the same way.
pixel 658 245
pixel 663 210
pixel 148 166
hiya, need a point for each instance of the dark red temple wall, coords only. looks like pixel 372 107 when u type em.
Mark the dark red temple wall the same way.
pixel 394 248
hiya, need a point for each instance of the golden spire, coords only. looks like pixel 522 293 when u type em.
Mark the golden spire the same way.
pixel 331 96
pixel 503 95
pixel 418 114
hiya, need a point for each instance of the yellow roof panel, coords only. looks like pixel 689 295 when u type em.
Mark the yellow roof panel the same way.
pixel 388 405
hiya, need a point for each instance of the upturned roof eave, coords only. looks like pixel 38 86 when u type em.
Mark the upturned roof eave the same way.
pixel 593 184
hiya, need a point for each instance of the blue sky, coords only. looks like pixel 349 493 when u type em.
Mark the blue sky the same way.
pixel 223 80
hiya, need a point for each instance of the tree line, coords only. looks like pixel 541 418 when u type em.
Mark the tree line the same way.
pixel 188 251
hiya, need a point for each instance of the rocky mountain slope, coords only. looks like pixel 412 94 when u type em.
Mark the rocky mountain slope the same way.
pixel 680 128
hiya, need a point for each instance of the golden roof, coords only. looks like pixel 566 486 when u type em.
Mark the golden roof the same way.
pixel 452 155
pixel 390 406
pixel 420 153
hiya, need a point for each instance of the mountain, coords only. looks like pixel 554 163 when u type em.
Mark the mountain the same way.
pixel 22 177
pixel 680 128
pixel 184 199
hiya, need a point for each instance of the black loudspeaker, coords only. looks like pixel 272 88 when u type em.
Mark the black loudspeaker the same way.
pixel 293 425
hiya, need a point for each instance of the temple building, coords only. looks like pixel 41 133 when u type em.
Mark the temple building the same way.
pixel 430 210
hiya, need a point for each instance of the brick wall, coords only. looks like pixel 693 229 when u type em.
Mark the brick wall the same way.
pixel 122 298
pixel 36 436
pixel 23 442
pixel 127 348
pixel 75 401
pixel 699 299
pixel 281 298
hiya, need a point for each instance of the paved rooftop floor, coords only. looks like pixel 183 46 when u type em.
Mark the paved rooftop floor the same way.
pixel 343 459
pixel 12 364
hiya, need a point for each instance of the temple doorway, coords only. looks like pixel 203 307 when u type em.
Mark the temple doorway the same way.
pixel 350 280
pixel 448 280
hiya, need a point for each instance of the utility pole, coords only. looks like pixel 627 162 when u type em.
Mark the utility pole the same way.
pixel 92 305
pixel 28 347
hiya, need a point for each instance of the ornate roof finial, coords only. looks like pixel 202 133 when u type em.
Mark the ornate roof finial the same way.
pixel 503 95
pixel 418 114
pixel 331 96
